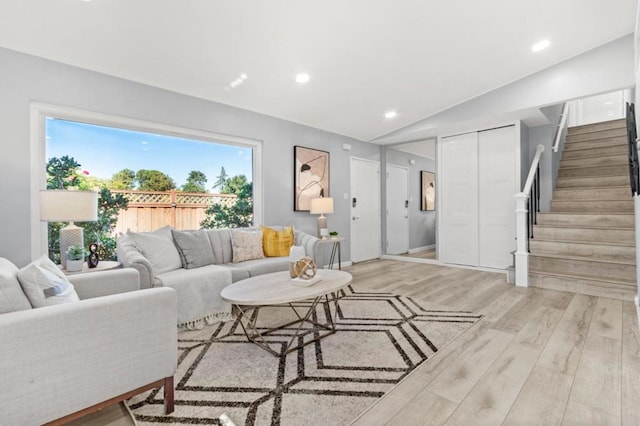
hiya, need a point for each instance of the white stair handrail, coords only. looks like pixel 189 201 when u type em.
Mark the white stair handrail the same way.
pixel 561 127
pixel 522 223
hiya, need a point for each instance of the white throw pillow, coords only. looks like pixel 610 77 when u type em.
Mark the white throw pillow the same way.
pixel 246 245
pixel 45 284
pixel 159 249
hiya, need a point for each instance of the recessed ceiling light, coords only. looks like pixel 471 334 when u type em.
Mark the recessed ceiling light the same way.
pixel 541 45
pixel 390 114
pixel 609 103
pixel 302 78
pixel 243 76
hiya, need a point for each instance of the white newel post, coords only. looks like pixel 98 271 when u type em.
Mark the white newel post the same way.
pixel 522 254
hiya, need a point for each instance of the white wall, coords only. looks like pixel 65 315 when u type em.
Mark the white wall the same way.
pixel 604 69
pixel 25 78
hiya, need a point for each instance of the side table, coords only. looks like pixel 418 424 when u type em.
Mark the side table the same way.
pixel 335 249
pixel 103 265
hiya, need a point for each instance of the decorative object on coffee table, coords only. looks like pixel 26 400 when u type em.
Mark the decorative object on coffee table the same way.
pixel 304 269
pixel 93 256
pixel 75 258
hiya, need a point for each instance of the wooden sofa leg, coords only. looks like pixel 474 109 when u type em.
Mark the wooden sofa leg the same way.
pixel 168 395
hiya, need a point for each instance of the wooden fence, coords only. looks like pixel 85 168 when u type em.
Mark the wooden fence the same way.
pixel 150 210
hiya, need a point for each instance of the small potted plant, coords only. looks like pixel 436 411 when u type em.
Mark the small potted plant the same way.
pixel 75 258
pixel 333 234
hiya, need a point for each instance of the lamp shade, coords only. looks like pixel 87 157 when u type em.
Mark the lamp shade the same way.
pixel 66 206
pixel 322 205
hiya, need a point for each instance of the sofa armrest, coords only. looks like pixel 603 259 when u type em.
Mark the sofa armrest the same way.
pixel 60 359
pixel 309 242
pixel 131 257
pixel 104 283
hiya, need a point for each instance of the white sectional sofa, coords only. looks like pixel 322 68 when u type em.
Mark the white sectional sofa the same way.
pixel 156 256
pixel 57 361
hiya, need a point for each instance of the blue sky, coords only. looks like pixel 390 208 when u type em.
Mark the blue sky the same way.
pixel 103 151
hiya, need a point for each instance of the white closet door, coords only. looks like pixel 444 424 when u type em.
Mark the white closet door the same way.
pixel 458 199
pixel 496 188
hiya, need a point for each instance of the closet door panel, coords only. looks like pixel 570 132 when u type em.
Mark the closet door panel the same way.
pixel 458 200
pixel 496 190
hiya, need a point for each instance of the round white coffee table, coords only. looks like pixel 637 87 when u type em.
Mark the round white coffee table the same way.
pixel 249 295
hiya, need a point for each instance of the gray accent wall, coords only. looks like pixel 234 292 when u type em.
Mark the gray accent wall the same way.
pixel 422 224
pixel 25 79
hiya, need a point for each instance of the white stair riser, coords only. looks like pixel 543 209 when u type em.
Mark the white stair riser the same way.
pixel 587 220
pixel 610 160
pixel 585 182
pixel 622 236
pixel 616 193
pixel 596 270
pixel 593 251
pixel 600 207
pixel 597 127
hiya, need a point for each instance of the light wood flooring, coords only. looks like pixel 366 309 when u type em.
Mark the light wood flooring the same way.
pixel 536 357
pixel 424 254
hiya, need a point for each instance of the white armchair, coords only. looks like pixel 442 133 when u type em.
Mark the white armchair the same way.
pixel 60 362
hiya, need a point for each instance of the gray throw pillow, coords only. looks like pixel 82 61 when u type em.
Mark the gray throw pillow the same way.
pixel 159 249
pixel 194 248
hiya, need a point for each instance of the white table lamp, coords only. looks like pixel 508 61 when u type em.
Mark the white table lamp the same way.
pixel 322 206
pixel 68 206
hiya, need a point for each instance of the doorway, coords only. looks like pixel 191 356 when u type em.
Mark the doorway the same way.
pixel 365 209
pixel 397 209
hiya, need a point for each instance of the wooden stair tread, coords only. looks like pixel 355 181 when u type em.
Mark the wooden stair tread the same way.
pixel 584 258
pixel 593 243
pixel 608 228
pixel 585 278
pixel 610 187
pixel 587 213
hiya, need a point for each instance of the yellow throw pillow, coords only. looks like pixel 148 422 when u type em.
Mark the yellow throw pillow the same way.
pixel 277 243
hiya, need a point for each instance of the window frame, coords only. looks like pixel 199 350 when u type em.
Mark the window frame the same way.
pixel 38 115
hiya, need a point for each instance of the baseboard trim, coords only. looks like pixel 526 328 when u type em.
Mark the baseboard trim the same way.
pixel 423 248
pixel 439 263
pixel 335 265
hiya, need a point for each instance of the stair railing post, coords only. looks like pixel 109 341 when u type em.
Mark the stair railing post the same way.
pixel 522 251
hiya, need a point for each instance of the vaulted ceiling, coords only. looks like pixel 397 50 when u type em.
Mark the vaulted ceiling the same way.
pixel 363 57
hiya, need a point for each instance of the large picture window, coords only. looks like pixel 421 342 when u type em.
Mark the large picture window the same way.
pixel 147 179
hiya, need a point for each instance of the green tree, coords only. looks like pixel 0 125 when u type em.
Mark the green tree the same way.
pixel 61 172
pixel 221 179
pixel 124 179
pixel 195 182
pixel 234 185
pixel 154 180
pixel 239 215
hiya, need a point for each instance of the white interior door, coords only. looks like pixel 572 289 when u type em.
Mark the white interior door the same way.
pixel 365 209
pixel 397 209
pixel 458 199
pixel 496 188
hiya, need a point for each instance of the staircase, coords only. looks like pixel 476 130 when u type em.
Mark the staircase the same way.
pixel 586 244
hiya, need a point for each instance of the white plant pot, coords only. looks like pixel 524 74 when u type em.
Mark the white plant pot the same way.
pixel 74 265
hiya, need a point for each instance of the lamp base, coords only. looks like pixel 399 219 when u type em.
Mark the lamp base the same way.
pixel 70 235
pixel 323 231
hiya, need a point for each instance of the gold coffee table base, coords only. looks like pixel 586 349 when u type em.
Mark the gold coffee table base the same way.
pixel 251 314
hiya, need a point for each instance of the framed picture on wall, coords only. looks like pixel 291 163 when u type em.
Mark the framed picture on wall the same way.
pixel 427 191
pixel 311 176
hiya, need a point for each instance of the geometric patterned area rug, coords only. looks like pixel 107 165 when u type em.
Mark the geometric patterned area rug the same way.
pixel 381 338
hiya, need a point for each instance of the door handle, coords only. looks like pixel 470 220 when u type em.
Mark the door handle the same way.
pixel 355 218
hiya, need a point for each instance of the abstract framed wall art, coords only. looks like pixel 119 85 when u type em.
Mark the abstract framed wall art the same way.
pixel 311 176
pixel 427 191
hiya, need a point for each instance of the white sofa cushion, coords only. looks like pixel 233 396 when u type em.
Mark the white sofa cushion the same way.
pixel 44 284
pixel 246 245
pixel 159 249
pixel 12 297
